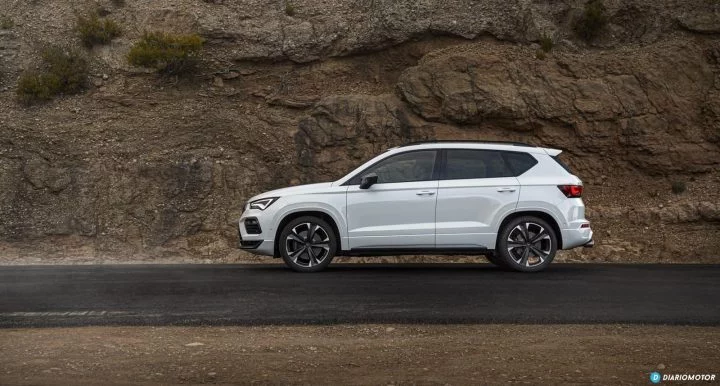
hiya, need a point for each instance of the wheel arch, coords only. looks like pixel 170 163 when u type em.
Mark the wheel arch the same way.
pixel 293 215
pixel 547 217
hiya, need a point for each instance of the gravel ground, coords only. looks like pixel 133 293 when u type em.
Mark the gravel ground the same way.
pixel 356 354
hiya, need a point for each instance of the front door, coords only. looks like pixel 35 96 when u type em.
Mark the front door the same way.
pixel 399 210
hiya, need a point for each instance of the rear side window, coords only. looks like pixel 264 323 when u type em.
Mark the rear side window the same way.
pixel 563 164
pixel 519 163
pixel 465 164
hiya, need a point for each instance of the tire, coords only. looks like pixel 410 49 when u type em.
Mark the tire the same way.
pixel 523 256
pixel 301 254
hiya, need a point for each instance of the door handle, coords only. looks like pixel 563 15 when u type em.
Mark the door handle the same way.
pixel 425 193
pixel 506 189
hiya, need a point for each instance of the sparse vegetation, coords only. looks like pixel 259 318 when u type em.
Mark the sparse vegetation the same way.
pixel 678 187
pixel 36 87
pixel 63 72
pixel 118 3
pixel 169 54
pixel 593 20
pixel 540 54
pixel 546 43
pixel 6 22
pixel 289 9
pixel 96 30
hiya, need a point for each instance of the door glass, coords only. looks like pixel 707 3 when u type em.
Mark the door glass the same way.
pixel 406 167
pixel 463 164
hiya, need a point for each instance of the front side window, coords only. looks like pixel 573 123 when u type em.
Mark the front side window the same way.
pixel 405 167
pixel 465 164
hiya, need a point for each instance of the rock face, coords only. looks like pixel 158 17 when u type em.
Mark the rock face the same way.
pixel 653 105
pixel 705 20
pixel 315 30
pixel 354 127
pixel 311 30
pixel 140 167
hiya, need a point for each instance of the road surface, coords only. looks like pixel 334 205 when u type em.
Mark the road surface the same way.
pixel 41 296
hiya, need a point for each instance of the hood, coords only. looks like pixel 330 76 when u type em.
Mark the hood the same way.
pixel 292 190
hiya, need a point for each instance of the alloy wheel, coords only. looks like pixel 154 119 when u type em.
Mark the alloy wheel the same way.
pixel 308 244
pixel 529 244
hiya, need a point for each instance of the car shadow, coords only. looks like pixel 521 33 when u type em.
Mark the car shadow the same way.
pixel 422 268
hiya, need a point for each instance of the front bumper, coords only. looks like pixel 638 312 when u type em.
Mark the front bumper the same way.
pixel 255 243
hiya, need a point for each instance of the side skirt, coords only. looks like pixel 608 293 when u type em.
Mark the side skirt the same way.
pixel 414 251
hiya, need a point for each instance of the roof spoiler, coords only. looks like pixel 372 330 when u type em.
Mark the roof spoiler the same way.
pixel 552 152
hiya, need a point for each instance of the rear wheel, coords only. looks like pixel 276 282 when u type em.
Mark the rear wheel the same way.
pixel 526 244
pixel 307 244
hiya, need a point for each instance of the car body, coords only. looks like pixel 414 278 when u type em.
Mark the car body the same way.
pixel 438 197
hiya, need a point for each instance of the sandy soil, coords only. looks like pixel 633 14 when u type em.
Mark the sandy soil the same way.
pixel 356 354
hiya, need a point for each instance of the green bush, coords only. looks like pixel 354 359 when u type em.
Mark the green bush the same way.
pixel 6 22
pixel 593 20
pixel 289 9
pixel 169 54
pixel 95 30
pixel 546 43
pixel 63 72
pixel 678 187
pixel 36 87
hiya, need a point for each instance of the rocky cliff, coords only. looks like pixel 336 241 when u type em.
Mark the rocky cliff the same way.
pixel 144 167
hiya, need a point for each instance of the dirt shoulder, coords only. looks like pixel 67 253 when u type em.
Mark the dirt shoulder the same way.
pixel 356 354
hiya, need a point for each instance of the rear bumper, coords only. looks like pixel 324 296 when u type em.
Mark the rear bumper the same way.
pixel 577 237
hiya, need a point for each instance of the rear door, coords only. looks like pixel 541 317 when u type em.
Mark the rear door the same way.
pixel 476 188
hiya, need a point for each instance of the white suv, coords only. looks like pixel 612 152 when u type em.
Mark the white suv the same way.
pixel 515 203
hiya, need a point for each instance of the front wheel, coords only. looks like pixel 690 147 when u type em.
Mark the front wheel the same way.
pixel 526 244
pixel 307 244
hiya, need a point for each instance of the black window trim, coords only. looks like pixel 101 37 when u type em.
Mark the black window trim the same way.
pixel 503 154
pixel 562 163
pixel 435 174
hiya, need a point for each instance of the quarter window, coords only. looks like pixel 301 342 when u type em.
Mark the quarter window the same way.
pixel 405 167
pixel 520 162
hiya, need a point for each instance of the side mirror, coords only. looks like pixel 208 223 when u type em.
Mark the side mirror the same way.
pixel 368 180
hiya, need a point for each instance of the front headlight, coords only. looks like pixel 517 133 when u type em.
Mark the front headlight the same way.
pixel 262 203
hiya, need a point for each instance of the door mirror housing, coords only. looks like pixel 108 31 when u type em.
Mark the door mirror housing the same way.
pixel 368 180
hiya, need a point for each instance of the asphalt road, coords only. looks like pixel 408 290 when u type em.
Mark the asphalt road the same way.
pixel 34 296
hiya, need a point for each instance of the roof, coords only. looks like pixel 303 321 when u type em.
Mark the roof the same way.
pixel 467 141
pixel 490 145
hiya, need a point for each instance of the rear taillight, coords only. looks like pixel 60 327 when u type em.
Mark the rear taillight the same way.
pixel 571 191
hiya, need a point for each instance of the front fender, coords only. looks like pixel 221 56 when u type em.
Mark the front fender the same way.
pixel 332 206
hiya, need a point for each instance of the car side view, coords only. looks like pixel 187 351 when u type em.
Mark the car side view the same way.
pixel 515 203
